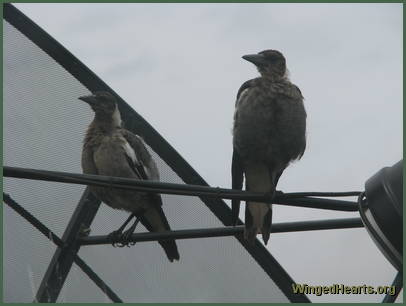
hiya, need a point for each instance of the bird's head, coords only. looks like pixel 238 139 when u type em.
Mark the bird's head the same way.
pixel 269 63
pixel 101 102
pixel 105 107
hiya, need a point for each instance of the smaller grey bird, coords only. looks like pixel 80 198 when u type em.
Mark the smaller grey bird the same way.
pixel 269 132
pixel 111 150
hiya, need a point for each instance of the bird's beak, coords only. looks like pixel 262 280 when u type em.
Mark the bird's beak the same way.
pixel 256 59
pixel 90 99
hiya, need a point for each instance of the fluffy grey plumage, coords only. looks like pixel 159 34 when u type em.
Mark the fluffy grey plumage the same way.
pixel 269 132
pixel 111 150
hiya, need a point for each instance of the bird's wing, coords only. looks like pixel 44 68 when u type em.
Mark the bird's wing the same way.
pixel 300 99
pixel 302 150
pixel 237 172
pixel 246 85
pixel 153 219
pixel 237 177
pixel 143 164
pixel 292 92
pixel 298 89
pixel 139 157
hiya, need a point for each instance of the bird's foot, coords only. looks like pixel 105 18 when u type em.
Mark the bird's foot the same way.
pixel 115 237
pixel 126 236
pixel 120 239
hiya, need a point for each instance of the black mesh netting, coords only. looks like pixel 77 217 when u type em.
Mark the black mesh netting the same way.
pixel 44 125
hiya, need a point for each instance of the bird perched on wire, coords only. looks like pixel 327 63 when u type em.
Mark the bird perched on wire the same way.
pixel 111 150
pixel 268 133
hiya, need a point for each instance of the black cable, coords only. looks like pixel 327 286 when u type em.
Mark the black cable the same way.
pixel 183 189
pixel 56 240
pixel 318 203
pixel 292 195
pixel 127 183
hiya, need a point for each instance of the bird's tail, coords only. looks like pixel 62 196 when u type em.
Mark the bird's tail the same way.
pixel 155 220
pixel 258 216
pixel 171 249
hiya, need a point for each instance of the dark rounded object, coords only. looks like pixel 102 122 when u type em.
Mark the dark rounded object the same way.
pixel 382 212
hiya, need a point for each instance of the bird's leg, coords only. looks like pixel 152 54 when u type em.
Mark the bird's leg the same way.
pixel 117 234
pixel 124 237
pixel 127 234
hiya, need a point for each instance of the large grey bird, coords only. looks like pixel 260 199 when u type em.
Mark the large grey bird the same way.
pixel 268 133
pixel 111 150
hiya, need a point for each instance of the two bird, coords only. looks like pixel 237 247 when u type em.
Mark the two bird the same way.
pixel 268 133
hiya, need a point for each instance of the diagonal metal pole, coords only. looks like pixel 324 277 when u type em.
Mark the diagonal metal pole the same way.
pixel 230 231
pixel 55 239
pixel 398 285
pixel 63 258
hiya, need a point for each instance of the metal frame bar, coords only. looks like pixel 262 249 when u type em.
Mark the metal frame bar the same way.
pixel 63 258
pixel 55 239
pixel 294 199
pixel 228 231
pixel 398 283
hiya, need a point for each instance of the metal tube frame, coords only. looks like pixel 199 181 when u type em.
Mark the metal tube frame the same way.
pixel 228 231
pixel 63 258
pixel 55 239
pixel 398 284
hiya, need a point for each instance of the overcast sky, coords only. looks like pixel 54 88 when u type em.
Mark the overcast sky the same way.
pixel 180 66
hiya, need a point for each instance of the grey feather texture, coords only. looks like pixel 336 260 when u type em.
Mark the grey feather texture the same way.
pixel 269 132
pixel 111 150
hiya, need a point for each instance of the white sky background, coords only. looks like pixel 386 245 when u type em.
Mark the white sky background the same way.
pixel 180 66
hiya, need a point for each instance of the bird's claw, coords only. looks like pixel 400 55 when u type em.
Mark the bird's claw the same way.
pixel 115 236
pixel 120 239
pixel 126 236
